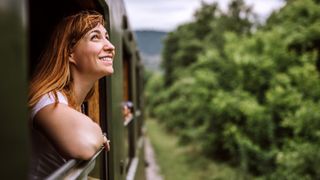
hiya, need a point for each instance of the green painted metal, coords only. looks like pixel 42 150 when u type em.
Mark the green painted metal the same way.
pixel 13 90
pixel 120 36
pixel 75 169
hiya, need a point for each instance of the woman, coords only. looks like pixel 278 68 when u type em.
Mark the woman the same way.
pixel 127 111
pixel 78 54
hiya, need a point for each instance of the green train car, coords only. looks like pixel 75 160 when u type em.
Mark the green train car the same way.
pixel 25 27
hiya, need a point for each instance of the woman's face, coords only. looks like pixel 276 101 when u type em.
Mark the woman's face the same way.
pixel 93 55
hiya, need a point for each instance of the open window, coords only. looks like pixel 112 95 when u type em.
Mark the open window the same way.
pixel 43 17
pixel 128 109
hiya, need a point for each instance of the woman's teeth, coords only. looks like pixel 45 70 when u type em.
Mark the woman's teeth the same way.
pixel 106 59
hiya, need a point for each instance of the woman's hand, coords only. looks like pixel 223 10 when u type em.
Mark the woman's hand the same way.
pixel 106 142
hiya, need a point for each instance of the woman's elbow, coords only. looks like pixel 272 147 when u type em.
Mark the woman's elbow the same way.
pixel 84 150
pixel 84 153
pixel 86 142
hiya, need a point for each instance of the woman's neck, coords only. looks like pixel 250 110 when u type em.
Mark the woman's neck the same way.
pixel 81 88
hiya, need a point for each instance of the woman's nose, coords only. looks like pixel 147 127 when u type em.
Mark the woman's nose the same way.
pixel 108 46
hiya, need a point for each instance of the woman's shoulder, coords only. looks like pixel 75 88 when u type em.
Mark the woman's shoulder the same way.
pixel 48 99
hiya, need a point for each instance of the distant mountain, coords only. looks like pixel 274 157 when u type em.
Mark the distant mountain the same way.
pixel 150 45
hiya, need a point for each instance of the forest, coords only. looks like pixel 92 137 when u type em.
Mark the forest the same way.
pixel 244 92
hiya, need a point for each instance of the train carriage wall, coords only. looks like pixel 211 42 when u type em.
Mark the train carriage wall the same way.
pixel 29 24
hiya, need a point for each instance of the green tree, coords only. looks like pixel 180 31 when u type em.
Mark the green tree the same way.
pixel 249 98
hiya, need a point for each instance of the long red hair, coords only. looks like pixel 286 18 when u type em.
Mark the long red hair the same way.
pixel 53 72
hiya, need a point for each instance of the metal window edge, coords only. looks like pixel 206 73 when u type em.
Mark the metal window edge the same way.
pixel 75 169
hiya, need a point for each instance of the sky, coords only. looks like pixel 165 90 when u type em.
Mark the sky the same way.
pixel 166 15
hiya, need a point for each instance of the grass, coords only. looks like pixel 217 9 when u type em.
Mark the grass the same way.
pixel 179 163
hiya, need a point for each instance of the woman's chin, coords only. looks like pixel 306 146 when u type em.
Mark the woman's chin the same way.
pixel 108 72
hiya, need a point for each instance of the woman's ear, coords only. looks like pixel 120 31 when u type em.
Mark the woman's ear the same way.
pixel 71 58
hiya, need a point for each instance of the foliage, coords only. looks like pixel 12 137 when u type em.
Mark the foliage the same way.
pixel 249 98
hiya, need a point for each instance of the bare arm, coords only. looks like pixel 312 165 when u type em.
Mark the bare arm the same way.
pixel 74 134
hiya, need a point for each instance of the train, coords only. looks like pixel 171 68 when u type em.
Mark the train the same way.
pixel 25 28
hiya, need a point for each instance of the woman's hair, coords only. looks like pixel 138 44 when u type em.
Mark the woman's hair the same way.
pixel 53 72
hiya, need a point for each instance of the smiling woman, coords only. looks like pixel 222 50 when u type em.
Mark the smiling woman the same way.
pixel 78 55
pixel 94 53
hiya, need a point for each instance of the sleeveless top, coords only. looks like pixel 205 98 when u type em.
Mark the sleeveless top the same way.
pixel 44 157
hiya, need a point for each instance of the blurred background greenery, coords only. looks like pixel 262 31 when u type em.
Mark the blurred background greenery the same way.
pixel 242 93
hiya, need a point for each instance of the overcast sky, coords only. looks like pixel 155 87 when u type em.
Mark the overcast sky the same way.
pixel 166 15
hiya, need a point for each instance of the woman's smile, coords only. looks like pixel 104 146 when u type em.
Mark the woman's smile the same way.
pixel 106 60
pixel 94 54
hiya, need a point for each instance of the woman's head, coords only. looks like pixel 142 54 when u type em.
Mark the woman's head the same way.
pixel 53 71
pixel 93 54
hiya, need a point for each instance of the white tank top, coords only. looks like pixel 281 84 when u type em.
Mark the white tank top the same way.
pixel 46 100
pixel 44 158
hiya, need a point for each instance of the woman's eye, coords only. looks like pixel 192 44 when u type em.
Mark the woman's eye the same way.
pixel 94 37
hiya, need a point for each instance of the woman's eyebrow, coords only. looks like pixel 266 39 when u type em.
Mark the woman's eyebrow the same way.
pixel 99 32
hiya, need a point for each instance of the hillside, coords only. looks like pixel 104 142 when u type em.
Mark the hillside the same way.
pixel 150 45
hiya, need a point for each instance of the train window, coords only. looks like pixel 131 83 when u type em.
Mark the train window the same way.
pixel 126 78
pixel 92 108
pixel 139 95
pixel 43 16
pixel 124 22
pixel 128 106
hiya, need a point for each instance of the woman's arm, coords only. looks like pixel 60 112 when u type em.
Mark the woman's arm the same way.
pixel 73 134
